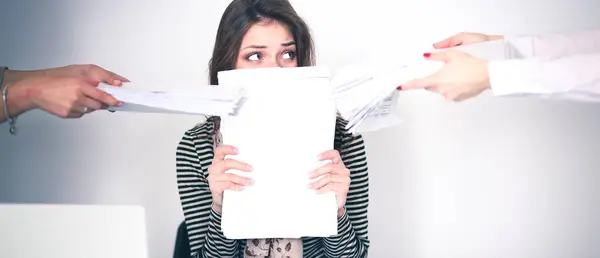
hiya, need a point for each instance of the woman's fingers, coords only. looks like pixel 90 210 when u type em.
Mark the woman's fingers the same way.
pixel 228 164
pixel 323 170
pixel 228 181
pixel 338 188
pixel 119 77
pixel 239 180
pixel 91 104
pixel 100 74
pixel 232 186
pixel 330 179
pixel 452 41
pixel 329 168
pixel 332 155
pixel 222 151
pixel 99 95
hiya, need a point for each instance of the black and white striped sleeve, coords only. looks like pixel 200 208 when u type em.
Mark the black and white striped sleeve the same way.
pixel 203 223
pixel 352 239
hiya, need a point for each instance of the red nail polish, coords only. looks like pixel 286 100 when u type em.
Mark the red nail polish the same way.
pixel 399 88
pixel 427 55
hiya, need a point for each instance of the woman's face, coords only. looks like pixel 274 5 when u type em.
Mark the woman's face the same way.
pixel 267 44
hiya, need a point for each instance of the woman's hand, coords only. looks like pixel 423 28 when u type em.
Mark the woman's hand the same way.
pixel 462 76
pixel 335 177
pixel 65 97
pixel 220 181
pixel 67 92
pixel 465 38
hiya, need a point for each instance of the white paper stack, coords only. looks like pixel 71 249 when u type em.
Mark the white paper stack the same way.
pixel 366 95
pixel 204 100
pixel 287 120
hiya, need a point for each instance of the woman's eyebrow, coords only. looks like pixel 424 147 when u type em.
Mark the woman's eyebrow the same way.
pixel 291 43
pixel 286 44
pixel 255 46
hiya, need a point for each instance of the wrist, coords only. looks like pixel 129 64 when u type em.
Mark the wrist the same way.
pixel 341 211
pixel 495 37
pixel 18 97
pixel 11 76
pixel 217 208
pixel 487 85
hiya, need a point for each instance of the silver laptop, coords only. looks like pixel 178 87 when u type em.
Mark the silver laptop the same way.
pixel 72 231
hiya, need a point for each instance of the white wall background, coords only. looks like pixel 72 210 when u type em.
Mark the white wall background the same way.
pixel 485 178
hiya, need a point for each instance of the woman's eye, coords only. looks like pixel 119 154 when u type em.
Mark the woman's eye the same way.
pixel 289 55
pixel 254 57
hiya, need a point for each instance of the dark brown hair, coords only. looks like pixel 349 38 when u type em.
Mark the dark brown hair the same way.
pixel 240 15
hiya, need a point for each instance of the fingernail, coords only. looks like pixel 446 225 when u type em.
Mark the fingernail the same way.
pixel 235 151
pixel 399 88
pixel 117 82
pixel 427 55
pixel 250 182
pixel 120 103
pixel 310 186
pixel 249 167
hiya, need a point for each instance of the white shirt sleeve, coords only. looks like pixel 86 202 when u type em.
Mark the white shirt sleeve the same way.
pixel 563 66
pixel 553 44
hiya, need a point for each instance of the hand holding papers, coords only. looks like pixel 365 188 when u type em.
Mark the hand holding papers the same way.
pixel 205 100
pixel 366 96
pixel 286 122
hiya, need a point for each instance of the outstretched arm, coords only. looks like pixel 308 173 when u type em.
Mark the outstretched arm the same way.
pixel 575 77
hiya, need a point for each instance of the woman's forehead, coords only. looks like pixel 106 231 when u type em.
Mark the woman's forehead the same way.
pixel 267 34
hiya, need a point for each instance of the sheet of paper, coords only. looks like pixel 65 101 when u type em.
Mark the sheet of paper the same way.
pixel 366 95
pixel 286 122
pixel 383 115
pixel 205 100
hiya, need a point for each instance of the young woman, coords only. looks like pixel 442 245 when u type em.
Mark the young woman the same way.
pixel 254 34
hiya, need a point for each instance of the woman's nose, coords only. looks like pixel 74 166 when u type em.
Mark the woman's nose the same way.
pixel 273 62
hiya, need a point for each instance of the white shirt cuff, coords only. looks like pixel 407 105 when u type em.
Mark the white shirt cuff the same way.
pixel 515 77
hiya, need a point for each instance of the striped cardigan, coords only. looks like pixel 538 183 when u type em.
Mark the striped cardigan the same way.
pixel 194 156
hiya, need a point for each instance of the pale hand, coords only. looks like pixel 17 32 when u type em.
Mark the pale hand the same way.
pixel 465 38
pixel 220 181
pixel 462 76
pixel 335 177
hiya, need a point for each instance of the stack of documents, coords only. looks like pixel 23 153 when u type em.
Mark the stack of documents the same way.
pixel 366 95
pixel 204 100
pixel 287 120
